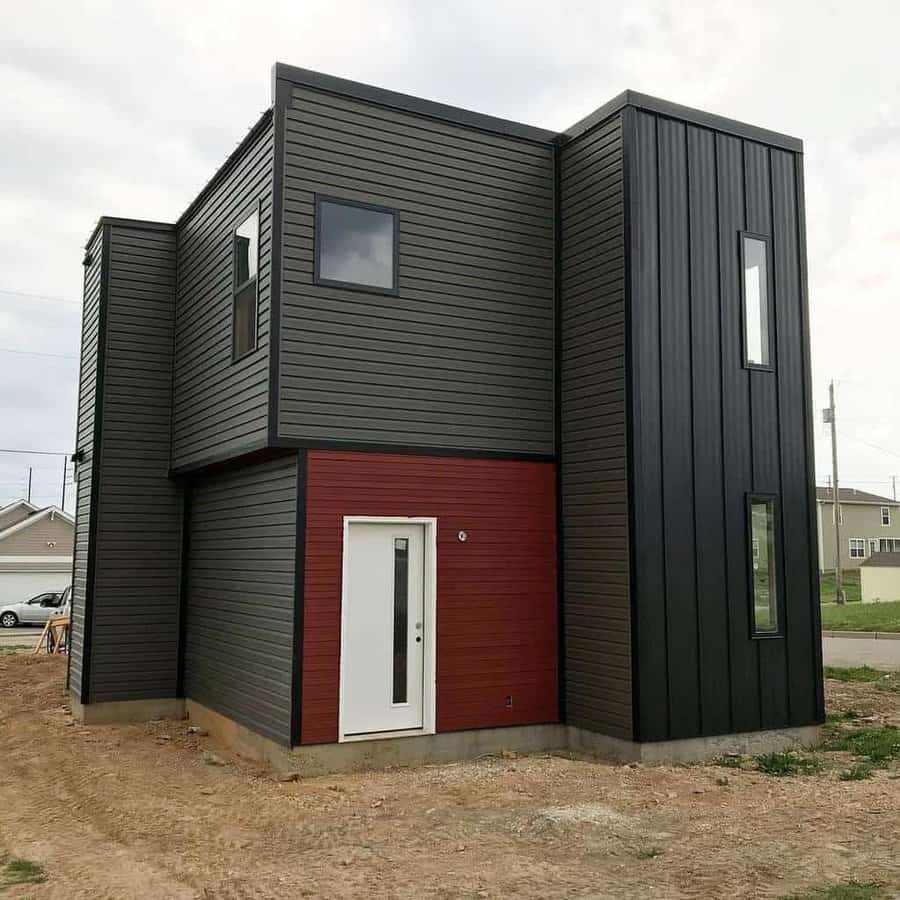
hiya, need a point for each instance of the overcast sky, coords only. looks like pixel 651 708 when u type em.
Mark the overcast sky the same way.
pixel 128 108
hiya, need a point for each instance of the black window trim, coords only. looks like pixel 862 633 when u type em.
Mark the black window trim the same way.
pixel 766 497
pixel 248 211
pixel 770 300
pixel 393 291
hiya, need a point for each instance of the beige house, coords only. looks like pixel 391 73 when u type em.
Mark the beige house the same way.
pixel 869 524
pixel 36 548
pixel 879 577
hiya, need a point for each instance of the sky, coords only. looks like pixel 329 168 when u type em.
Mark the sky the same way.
pixel 128 108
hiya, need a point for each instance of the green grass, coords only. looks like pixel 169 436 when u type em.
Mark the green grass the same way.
pixel 847 715
pixel 728 762
pixel 849 581
pixel 861 617
pixel 879 744
pixel 786 764
pixel 10 651
pixel 884 681
pixel 649 853
pixel 843 890
pixel 859 772
pixel 15 871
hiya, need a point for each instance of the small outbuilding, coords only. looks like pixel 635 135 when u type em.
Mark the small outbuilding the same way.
pixel 879 578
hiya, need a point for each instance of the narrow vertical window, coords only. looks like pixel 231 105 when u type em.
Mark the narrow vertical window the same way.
pixel 764 578
pixel 245 256
pixel 885 515
pixel 401 617
pixel 757 313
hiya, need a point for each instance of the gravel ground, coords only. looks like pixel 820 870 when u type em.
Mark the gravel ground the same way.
pixel 144 811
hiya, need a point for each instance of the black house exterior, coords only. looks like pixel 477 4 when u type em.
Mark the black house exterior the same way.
pixel 512 425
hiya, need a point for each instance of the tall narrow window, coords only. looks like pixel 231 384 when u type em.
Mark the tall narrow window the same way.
pixel 245 254
pixel 757 313
pixel 885 515
pixel 763 570
pixel 401 617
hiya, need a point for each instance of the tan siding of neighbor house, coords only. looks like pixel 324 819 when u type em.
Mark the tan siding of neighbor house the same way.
pixel 880 583
pixel 10 517
pixel 859 521
pixel 34 540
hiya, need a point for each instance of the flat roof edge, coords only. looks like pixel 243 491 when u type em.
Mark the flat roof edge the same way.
pixel 688 114
pixel 140 224
pixel 408 103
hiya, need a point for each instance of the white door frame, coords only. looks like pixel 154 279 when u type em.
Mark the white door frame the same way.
pixel 429 631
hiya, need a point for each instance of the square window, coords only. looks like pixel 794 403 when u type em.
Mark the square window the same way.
pixel 757 308
pixel 245 265
pixel 763 568
pixel 857 548
pixel 356 245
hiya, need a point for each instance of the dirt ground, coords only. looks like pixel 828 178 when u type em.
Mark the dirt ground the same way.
pixel 134 811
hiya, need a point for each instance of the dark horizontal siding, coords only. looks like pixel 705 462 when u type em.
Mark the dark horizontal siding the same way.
pixel 241 594
pixel 221 408
pixel 463 357
pixel 707 431
pixel 594 450
pixel 138 536
pixel 84 443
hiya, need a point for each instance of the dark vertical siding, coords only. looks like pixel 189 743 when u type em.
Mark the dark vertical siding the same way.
pixel 84 443
pixel 496 592
pixel 220 407
pixel 648 537
pixel 239 630
pixel 593 448
pixel 463 357
pixel 138 530
pixel 706 431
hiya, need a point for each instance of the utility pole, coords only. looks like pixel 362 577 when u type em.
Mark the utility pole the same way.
pixel 829 416
pixel 29 484
pixel 62 504
pixel 894 485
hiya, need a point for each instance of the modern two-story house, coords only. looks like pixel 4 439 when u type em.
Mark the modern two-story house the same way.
pixel 423 431
pixel 869 524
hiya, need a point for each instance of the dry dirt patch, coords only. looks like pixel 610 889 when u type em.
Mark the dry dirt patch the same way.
pixel 135 812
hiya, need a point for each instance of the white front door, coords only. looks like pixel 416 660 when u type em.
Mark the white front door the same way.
pixel 384 633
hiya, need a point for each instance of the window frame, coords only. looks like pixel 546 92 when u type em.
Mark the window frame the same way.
pixel 394 290
pixel 886 509
pixel 851 542
pixel 255 207
pixel 750 499
pixel 770 301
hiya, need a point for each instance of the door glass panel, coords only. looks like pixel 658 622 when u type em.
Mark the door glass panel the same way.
pixel 401 617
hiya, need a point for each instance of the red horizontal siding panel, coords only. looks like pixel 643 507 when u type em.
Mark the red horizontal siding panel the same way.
pixel 496 593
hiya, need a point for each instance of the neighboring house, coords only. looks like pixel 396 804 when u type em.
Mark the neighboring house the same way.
pixel 869 524
pixel 879 577
pixel 421 421
pixel 36 547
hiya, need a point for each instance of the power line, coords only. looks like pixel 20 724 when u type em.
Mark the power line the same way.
pixel 36 452
pixel 36 353
pixel 39 297
pixel 868 444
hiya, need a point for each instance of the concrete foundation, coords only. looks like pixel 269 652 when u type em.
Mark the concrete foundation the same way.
pixel 121 711
pixel 324 759
pixel 692 750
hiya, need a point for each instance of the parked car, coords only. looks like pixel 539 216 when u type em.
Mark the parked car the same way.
pixel 36 610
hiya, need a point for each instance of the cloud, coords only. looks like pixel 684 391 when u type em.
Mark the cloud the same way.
pixel 127 109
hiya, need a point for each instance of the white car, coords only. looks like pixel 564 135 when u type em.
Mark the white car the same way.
pixel 36 610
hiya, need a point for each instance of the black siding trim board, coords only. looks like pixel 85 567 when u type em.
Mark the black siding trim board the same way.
pixel 184 590
pixel 299 595
pixel 281 103
pixel 97 453
pixel 808 435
